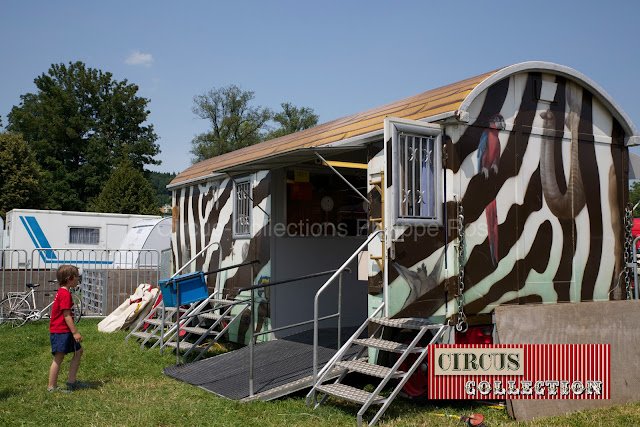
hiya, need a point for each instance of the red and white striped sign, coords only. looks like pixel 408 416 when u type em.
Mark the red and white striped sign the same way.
pixel 531 371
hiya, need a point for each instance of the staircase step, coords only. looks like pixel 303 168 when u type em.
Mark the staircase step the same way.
pixel 158 322
pixel 197 330
pixel 367 368
pixel 144 335
pixel 349 393
pixel 385 345
pixel 184 346
pixel 223 301
pixel 407 322
pixel 214 316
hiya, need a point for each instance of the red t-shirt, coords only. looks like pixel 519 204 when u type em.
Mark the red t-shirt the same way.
pixel 62 301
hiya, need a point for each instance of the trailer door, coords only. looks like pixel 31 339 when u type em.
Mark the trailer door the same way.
pixel 413 197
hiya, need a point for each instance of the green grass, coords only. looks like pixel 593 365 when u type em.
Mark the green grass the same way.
pixel 128 388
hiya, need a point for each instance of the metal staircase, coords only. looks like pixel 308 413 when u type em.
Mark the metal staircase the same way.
pixel 204 323
pixel 412 353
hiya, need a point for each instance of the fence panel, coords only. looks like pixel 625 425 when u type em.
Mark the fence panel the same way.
pixel 108 276
pixel 13 270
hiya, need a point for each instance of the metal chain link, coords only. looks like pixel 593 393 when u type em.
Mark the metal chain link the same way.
pixel 461 325
pixel 628 249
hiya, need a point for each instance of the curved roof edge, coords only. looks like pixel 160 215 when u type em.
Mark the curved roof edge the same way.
pixel 603 96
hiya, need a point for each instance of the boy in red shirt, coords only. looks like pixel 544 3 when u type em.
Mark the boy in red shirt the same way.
pixel 64 336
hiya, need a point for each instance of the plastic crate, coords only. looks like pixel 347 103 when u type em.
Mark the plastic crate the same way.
pixel 192 287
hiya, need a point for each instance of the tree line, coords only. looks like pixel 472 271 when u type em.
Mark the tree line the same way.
pixel 82 141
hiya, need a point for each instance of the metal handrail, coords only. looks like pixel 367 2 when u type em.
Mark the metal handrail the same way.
pixel 178 299
pixel 295 279
pixel 142 321
pixel 182 279
pixel 195 257
pixel 341 351
pixel 254 335
pixel 202 304
pixel 321 290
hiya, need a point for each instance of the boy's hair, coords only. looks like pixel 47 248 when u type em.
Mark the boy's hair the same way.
pixel 66 272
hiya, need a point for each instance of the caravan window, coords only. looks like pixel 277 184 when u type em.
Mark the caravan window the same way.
pixel 84 236
pixel 242 209
pixel 417 175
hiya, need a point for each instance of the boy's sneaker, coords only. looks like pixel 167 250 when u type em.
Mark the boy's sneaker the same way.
pixel 76 386
pixel 63 390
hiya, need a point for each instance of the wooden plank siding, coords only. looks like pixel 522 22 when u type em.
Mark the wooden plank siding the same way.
pixel 431 103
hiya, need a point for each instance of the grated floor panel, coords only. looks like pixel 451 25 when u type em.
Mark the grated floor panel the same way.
pixel 277 363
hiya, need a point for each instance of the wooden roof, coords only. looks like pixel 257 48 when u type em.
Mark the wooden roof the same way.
pixel 437 101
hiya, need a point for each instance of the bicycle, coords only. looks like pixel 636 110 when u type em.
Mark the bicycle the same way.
pixel 16 310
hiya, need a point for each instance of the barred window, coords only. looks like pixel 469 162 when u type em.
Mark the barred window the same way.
pixel 417 171
pixel 417 176
pixel 84 236
pixel 242 209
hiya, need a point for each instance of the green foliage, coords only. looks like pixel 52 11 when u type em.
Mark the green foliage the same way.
pixel 81 124
pixel 293 119
pixel 20 176
pixel 234 122
pixel 634 196
pixel 159 182
pixel 126 191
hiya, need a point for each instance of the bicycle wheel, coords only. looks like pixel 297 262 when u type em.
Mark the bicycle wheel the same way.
pixel 77 307
pixel 14 311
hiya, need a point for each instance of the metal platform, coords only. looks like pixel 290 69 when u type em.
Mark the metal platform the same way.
pixel 282 366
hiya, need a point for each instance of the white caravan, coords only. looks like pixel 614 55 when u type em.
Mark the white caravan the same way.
pixel 45 234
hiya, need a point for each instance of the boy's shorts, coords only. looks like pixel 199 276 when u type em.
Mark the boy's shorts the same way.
pixel 64 343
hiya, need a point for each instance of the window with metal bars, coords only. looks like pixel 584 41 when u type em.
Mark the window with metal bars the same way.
pixel 242 209
pixel 417 170
pixel 84 236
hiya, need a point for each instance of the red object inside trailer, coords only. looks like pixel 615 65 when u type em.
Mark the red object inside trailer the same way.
pixel 635 230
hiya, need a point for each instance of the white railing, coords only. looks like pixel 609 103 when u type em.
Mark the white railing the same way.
pixel 109 276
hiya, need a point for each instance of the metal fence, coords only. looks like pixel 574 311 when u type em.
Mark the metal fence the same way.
pixel 108 276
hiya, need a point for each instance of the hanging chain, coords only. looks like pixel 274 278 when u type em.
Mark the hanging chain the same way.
pixel 462 325
pixel 628 249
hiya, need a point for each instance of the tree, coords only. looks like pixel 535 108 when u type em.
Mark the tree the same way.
pixel 81 124
pixel 234 122
pixel 20 176
pixel 293 119
pixel 126 191
pixel 159 182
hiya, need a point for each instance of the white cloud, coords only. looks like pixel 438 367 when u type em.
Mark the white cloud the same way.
pixel 138 58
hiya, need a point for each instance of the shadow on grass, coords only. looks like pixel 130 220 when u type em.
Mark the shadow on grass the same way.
pixel 94 385
pixel 7 393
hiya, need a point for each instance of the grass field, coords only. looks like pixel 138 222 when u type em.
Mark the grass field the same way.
pixel 128 388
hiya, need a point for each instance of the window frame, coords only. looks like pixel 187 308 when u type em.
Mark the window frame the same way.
pixel 421 129
pixel 249 205
pixel 71 228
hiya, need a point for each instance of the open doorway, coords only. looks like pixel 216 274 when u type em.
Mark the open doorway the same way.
pixel 319 221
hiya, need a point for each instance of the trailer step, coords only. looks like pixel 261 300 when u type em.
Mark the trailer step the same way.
pixel 184 346
pixel 197 330
pixel 225 301
pixel 214 316
pixel 349 393
pixel 158 322
pixel 144 335
pixel 367 368
pixel 405 323
pixel 385 345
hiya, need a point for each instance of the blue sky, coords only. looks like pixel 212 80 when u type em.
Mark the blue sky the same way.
pixel 338 57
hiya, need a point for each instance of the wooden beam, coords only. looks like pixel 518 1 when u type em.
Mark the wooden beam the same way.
pixel 346 165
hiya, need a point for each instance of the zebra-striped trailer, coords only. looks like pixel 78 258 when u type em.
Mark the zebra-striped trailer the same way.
pixel 506 188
